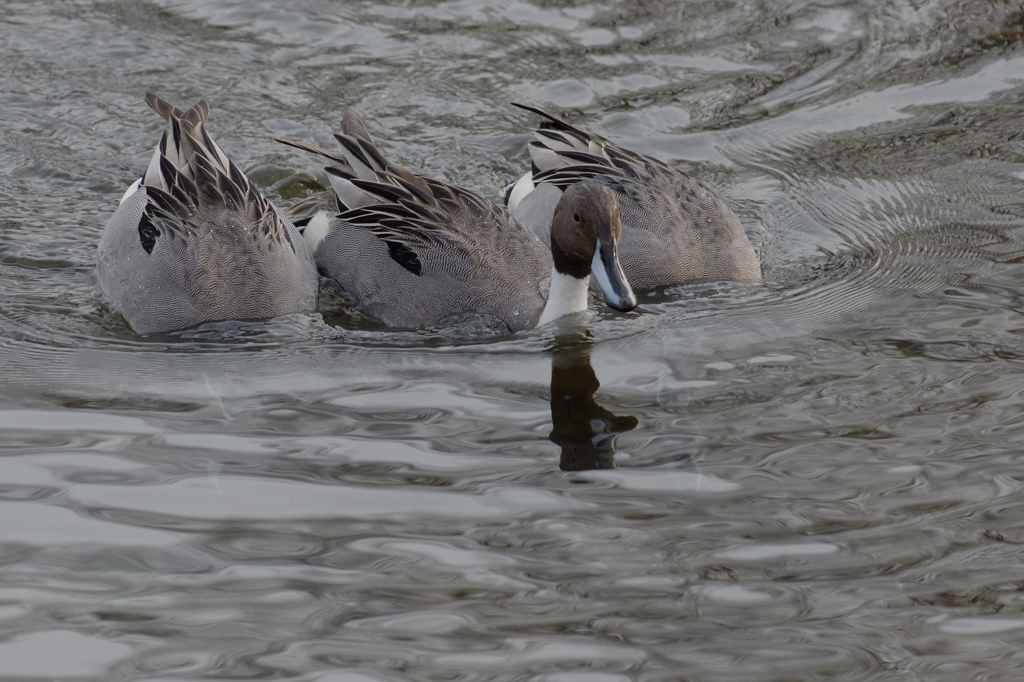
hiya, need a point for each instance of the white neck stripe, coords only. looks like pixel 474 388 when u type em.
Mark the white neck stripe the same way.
pixel 566 296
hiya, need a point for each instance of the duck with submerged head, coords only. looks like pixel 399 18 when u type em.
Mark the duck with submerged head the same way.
pixel 194 241
pixel 414 251
pixel 675 230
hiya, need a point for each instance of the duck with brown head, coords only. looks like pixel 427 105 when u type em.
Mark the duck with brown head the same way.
pixel 675 231
pixel 418 252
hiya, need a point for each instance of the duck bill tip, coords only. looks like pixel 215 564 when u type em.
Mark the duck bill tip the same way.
pixel 622 303
pixel 618 294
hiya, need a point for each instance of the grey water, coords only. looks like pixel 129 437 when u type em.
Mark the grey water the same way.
pixel 814 477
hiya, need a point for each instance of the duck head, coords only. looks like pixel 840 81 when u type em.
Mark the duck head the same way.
pixel 585 234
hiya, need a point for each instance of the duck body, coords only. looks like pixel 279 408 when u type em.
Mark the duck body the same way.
pixel 194 241
pixel 415 252
pixel 675 230
pixel 497 276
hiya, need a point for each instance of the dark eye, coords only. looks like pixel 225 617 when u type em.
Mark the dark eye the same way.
pixel 576 217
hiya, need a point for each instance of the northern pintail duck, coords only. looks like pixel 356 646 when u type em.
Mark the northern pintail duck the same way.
pixel 674 229
pixel 414 251
pixel 194 241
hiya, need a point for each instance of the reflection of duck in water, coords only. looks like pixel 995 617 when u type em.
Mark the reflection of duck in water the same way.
pixel 413 251
pixel 674 229
pixel 584 430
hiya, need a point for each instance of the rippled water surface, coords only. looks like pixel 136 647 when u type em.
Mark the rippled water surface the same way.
pixel 813 477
